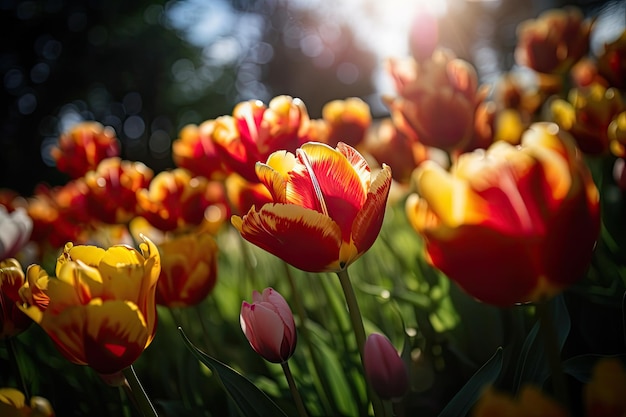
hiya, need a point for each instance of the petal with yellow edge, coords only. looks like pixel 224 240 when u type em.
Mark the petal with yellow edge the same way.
pixel 369 220
pixel 343 188
pixel 281 229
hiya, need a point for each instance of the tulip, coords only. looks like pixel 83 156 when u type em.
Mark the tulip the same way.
pixel 15 230
pixel 113 187
pixel 588 114
pixel 100 309
pixel 13 404
pixel 12 320
pixel 269 326
pixel 347 121
pixel 530 401
pixel 195 150
pixel 243 194
pixel 188 270
pixel 554 41
pixel 81 149
pixel 176 200
pixel 384 369
pixel 604 393
pixel 255 130
pixel 431 94
pixel 324 199
pixel 612 62
pixel 510 224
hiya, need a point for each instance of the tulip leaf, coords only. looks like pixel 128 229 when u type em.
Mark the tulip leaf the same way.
pixel 533 366
pixel 249 400
pixel 463 401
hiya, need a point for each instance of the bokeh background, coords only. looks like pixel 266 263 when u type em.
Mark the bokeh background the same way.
pixel 147 68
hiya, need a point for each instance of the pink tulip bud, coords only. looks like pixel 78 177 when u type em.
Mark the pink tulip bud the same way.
pixel 384 368
pixel 268 324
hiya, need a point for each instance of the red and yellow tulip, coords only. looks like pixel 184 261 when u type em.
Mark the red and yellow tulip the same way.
pixel 81 148
pixel 100 309
pixel 12 320
pixel 255 130
pixel 510 224
pixel 188 270
pixel 177 200
pixel 327 210
pixel 13 404
pixel 112 189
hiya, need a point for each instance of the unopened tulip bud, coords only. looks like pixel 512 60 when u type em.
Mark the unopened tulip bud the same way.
pixel 384 368
pixel 269 326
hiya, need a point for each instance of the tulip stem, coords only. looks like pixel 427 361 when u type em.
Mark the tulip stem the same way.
pixel 138 394
pixel 359 332
pixel 304 330
pixel 13 354
pixel 551 345
pixel 294 390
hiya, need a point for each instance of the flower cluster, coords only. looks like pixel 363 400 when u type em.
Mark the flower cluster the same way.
pixel 497 188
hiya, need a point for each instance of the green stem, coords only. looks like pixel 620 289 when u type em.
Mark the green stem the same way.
pixel 553 351
pixel 304 330
pixel 138 394
pixel 294 390
pixel 359 332
pixel 15 359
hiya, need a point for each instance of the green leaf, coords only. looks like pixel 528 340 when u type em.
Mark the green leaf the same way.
pixel 249 400
pixel 463 401
pixel 533 366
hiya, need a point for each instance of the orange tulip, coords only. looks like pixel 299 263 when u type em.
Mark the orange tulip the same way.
pixel 188 270
pixel 327 211
pixel 176 200
pixel 12 320
pixel 83 147
pixel 510 224
pixel 100 309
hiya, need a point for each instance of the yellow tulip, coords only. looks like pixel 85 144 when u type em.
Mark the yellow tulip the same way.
pixel 100 309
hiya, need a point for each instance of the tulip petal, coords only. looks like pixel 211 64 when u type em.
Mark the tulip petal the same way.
pixel 342 187
pixel 280 228
pixel 369 220
pixel 449 198
pixel 107 336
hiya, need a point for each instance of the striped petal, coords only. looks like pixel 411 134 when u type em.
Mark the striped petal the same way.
pixel 107 336
pixel 302 237
pixel 449 198
pixel 369 220
pixel 341 185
